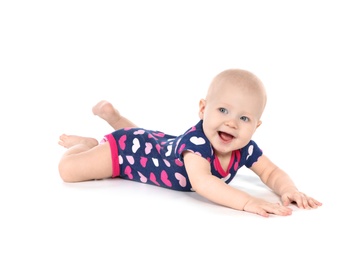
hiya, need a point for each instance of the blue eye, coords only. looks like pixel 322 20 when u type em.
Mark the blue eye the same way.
pixel 223 110
pixel 244 118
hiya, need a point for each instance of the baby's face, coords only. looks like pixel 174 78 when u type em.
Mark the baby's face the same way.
pixel 231 115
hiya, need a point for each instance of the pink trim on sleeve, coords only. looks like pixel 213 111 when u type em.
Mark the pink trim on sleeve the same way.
pixel 114 153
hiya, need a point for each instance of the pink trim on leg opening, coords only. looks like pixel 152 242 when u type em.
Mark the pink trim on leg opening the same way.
pixel 114 153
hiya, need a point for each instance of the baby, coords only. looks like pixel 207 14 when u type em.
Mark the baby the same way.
pixel 204 159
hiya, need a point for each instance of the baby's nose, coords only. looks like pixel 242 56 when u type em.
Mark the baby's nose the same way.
pixel 231 123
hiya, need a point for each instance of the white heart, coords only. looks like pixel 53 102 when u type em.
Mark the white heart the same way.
pixel 197 140
pixel 155 161
pixel 136 145
pixel 250 151
pixel 120 159
pixel 169 148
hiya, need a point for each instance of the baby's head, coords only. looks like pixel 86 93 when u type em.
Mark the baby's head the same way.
pixel 232 109
pixel 237 80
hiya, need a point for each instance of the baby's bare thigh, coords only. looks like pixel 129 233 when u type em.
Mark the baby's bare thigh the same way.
pixel 97 162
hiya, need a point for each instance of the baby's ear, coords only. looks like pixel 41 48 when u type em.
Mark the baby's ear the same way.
pixel 259 123
pixel 202 105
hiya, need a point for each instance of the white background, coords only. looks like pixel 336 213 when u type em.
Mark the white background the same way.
pixel 154 60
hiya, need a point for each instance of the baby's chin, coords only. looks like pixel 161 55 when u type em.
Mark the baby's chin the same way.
pixel 223 150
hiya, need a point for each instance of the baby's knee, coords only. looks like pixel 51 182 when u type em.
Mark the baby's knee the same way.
pixel 66 171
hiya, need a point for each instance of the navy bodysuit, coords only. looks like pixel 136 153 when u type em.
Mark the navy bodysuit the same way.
pixel 154 157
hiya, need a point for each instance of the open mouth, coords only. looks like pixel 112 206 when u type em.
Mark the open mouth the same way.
pixel 225 136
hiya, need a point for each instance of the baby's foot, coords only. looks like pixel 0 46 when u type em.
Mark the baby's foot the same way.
pixel 106 111
pixel 68 141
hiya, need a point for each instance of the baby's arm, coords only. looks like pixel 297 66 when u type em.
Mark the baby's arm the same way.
pixel 217 191
pixel 280 182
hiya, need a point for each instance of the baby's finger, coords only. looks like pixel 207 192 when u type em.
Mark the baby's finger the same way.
pixel 278 209
pixel 314 203
pixel 302 201
pixel 286 200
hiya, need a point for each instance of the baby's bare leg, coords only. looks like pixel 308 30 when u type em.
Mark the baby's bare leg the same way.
pixel 106 111
pixel 84 160
pixel 68 141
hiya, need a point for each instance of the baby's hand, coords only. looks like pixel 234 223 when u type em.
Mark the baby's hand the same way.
pixel 303 201
pixel 263 208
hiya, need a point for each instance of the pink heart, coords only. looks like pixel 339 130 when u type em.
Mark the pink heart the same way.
pixel 181 148
pixel 167 163
pixel 143 161
pixel 164 178
pixel 142 177
pixel 130 159
pixel 122 141
pixel 148 148
pixel 178 162
pixel 192 129
pixel 128 172
pixel 235 166
pixel 139 132
pixel 153 179
pixel 159 134
pixel 158 147
pixel 181 179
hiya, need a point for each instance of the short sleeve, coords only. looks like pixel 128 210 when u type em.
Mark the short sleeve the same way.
pixel 194 141
pixel 251 153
